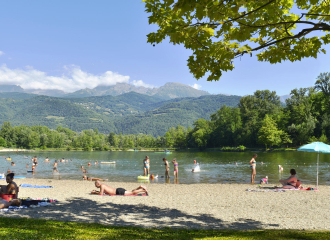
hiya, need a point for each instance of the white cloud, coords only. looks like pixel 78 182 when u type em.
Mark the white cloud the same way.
pixel 73 79
pixel 1 53
pixel 140 83
pixel 196 86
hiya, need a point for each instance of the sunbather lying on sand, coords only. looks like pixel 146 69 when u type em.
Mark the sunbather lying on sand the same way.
pixel 6 204
pixel 104 189
pixel 93 179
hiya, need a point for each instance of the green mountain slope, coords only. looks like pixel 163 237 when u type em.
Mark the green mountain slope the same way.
pixel 180 112
pixel 129 113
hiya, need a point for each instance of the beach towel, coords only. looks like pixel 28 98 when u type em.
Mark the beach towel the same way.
pixel 34 186
pixel 301 189
pixel 266 190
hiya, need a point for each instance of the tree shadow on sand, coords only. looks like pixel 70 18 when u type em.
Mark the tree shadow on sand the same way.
pixel 86 210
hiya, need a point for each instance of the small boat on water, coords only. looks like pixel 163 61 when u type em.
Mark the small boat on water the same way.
pixel 108 162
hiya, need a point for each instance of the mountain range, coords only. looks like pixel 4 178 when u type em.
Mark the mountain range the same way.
pixel 129 113
pixel 168 91
pixel 121 108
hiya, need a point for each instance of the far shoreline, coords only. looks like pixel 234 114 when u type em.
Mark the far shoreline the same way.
pixel 226 149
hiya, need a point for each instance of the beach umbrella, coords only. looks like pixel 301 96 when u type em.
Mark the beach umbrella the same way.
pixel 318 147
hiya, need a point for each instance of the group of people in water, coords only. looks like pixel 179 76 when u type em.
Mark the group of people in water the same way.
pixel 146 167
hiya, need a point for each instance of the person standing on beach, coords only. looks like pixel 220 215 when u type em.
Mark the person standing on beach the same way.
pixel 167 168
pixel 176 168
pixel 253 165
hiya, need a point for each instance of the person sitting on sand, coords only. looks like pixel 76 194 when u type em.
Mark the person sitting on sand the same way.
pixel 94 179
pixel 6 204
pixel 11 188
pixel 292 182
pixel 105 189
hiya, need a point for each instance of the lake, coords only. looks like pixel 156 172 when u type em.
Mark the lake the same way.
pixel 216 167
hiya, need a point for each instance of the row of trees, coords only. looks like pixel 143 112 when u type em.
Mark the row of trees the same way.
pixel 259 119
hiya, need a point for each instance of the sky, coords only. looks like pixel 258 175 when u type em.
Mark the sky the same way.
pixel 77 44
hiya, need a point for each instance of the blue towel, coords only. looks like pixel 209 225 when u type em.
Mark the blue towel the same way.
pixel 35 186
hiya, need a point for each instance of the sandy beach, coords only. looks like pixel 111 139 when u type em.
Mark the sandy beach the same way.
pixel 209 206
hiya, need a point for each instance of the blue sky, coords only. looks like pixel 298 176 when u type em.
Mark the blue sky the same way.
pixel 77 44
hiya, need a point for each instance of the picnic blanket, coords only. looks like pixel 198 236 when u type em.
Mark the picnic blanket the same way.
pixel 30 203
pixel 35 186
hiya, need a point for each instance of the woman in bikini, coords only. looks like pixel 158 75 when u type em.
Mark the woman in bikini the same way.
pixel 11 188
pixel 253 165
pixel 176 168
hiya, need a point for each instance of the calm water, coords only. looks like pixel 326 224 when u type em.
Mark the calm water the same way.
pixel 216 167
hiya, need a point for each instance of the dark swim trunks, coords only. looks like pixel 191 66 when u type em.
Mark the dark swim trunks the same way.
pixel 120 191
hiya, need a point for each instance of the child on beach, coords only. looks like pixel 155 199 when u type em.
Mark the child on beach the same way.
pixel 264 180
pixel 167 168
pixel 176 168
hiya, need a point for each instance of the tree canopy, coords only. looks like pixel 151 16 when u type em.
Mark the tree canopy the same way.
pixel 218 31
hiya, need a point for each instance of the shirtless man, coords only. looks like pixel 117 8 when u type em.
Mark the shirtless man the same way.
pixel 119 191
pixel 55 167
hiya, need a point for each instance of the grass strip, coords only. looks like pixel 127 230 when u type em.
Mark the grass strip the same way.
pixel 21 228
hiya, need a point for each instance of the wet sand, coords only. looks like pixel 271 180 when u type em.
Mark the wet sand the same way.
pixel 209 206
